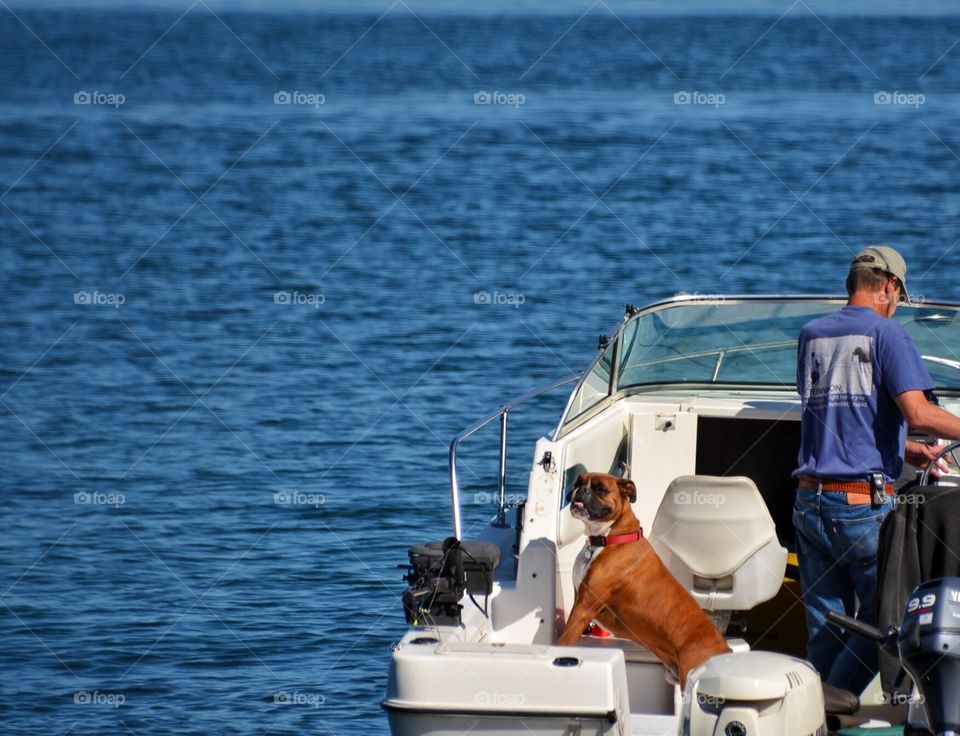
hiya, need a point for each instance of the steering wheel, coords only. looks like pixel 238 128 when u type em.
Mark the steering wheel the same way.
pixel 951 450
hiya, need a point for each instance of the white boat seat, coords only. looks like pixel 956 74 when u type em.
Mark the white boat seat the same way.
pixel 717 538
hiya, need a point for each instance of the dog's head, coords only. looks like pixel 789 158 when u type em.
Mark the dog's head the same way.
pixel 600 497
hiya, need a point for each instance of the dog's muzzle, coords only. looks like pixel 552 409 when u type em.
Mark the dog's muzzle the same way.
pixel 585 505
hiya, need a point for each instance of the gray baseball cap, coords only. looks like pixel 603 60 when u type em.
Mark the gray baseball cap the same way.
pixel 886 259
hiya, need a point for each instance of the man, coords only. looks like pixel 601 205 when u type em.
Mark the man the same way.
pixel 861 382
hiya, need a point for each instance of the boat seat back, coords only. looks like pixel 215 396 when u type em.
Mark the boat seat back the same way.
pixel 717 538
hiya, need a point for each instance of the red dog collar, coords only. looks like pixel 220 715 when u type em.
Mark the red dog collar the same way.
pixel 599 541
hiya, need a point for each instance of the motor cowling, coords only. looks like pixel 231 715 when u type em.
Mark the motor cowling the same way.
pixel 753 694
pixel 929 645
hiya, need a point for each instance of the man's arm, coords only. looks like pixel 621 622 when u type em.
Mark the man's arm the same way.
pixel 926 417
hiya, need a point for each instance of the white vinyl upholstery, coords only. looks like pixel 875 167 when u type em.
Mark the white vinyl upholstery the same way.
pixel 717 538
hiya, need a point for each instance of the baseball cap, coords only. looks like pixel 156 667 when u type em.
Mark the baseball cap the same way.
pixel 886 259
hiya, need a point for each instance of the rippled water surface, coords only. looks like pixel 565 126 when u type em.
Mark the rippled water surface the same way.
pixel 238 335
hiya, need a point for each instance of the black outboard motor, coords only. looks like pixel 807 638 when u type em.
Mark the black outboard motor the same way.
pixel 929 645
pixel 440 573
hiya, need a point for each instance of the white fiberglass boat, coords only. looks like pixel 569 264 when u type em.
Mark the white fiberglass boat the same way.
pixel 694 399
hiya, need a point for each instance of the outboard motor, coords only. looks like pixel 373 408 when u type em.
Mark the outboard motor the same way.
pixel 928 644
pixel 929 647
pixel 440 573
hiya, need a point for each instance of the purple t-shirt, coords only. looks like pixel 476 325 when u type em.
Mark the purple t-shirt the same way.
pixel 850 366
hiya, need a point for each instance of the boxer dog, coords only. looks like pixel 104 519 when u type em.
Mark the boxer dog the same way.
pixel 622 583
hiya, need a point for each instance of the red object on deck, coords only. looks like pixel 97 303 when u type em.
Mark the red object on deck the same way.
pixel 595 629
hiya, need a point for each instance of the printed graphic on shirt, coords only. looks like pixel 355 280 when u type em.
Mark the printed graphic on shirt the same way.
pixel 838 371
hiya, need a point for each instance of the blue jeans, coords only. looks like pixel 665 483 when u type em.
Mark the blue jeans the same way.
pixel 837 554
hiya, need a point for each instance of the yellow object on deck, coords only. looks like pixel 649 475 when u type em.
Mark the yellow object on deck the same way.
pixel 793 568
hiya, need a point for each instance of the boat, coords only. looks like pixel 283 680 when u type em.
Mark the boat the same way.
pixel 693 398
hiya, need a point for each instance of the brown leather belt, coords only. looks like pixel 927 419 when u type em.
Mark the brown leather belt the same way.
pixel 850 487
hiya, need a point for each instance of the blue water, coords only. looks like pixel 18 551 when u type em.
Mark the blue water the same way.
pixel 149 581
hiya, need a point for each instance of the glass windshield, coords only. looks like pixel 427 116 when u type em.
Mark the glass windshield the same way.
pixel 755 342
pixel 596 386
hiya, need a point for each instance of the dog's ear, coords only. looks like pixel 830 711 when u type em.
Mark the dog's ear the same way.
pixel 627 487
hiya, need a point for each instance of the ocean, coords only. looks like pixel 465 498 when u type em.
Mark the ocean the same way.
pixel 261 262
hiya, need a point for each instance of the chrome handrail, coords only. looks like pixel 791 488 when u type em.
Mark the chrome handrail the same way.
pixel 503 413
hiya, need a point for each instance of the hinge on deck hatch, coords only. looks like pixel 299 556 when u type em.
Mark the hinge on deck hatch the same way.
pixel 547 463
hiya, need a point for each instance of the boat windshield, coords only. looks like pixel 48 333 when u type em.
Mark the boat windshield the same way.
pixel 754 342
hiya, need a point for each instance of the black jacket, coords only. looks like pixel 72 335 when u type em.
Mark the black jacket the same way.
pixel 919 540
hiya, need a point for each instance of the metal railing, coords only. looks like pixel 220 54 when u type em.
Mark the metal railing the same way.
pixel 503 413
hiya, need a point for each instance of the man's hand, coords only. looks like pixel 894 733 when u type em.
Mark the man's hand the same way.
pixel 920 455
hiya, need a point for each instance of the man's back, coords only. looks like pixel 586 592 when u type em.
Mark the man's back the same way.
pixel 851 365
